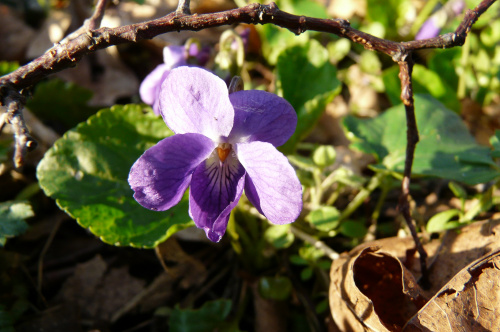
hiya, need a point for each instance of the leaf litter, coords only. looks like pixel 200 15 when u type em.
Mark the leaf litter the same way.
pixel 374 287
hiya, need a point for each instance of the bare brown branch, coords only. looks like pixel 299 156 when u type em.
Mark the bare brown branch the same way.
pixel 63 56
pixel 14 103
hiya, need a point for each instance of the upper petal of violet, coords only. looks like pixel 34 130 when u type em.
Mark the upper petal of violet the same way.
pixel 162 174
pixel 175 56
pixel 150 86
pixel 261 116
pixel 193 100
pixel 271 184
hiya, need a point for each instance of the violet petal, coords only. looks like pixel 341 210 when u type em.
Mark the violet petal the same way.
pixel 428 30
pixel 261 116
pixel 150 86
pixel 271 183
pixel 161 175
pixel 193 100
pixel 174 56
pixel 215 190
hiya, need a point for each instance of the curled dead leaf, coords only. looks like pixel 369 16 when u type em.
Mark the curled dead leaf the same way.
pixel 372 290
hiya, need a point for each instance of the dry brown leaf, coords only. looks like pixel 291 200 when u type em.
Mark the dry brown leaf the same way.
pixel 371 290
pixel 469 302
pixel 99 293
pixel 180 265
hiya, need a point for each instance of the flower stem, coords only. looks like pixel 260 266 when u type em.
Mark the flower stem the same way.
pixel 362 195
pixel 332 254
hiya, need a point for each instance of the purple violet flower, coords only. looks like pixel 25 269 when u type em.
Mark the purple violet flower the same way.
pixel 223 143
pixel 433 25
pixel 173 56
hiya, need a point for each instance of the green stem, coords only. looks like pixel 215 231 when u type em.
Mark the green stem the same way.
pixel 317 191
pixel 362 195
pixel 463 61
pixel 385 190
pixel 423 15
pixel 333 197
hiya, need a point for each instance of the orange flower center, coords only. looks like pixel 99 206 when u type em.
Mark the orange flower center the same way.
pixel 223 151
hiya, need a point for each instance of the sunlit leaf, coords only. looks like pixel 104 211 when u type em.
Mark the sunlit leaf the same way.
pixel 457 190
pixel 324 155
pixel 279 236
pixel 7 67
pixel 12 216
pixel 307 79
pixel 441 221
pixel 424 81
pixel 325 218
pixel 86 173
pixel 446 148
pixel 495 143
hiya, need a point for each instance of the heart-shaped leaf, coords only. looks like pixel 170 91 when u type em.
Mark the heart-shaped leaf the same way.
pixel 86 173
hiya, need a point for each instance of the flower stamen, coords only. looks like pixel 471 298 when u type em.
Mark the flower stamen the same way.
pixel 223 151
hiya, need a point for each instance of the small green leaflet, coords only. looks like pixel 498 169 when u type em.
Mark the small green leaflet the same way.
pixel 12 216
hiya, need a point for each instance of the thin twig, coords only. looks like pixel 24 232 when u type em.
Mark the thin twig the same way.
pixel 46 247
pixel 183 7
pixel 92 23
pixel 412 138
pixel 14 103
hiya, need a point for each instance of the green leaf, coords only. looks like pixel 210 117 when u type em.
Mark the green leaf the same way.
pixel 6 321
pixel 445 63
pixel 307 79
pixel 279 236
pixel 490 36
pixel 7 67
pixel 209 317
pixel 298 260
pixel 12 216
pixel 457 190
pixel 495 143
pixel 275 40
pixel 302 162
pixel 275 288
pixel 86 173
pixel 61 103
pixel 441 221
pixel 391 14
pixel 306 273
pixel 324 155
pixel 353 229
pixel 445 150
pixel 338 49
pixel 424 81
pixel 325 219
pixel 5 146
